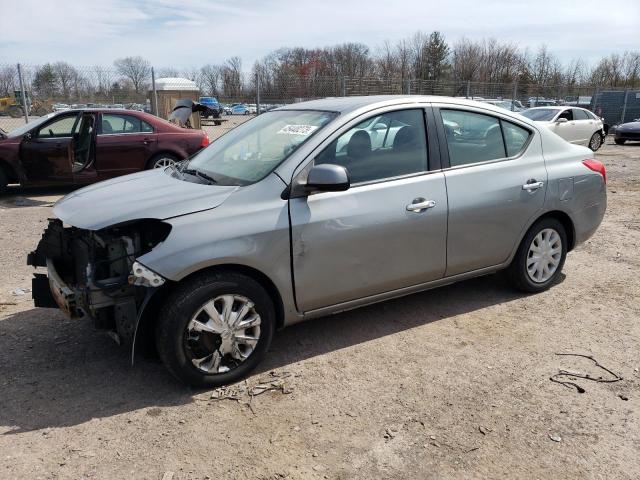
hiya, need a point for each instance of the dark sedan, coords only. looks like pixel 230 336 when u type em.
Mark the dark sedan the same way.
pixel 628 132
pixel 85 146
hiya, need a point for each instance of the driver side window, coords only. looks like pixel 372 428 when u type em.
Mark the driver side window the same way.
pixel 385 146
pixel 566 114
pixel 60 128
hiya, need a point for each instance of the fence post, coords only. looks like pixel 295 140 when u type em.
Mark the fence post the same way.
pixel 407 83
pixel 257 93
pixel 515 96
pixel 25 108
pixel 344 86
pixel 624 106
pixel 468 88
pixel 155 93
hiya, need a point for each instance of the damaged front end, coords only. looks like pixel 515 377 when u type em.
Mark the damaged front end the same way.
pixel 95 273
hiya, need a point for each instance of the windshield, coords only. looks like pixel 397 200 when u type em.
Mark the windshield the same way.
pixel 251 151
pixel 16 132
pixel 540 114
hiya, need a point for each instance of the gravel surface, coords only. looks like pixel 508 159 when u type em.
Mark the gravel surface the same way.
pixel 450 383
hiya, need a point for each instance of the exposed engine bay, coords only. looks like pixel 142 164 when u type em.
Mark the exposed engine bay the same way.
pixel 95 273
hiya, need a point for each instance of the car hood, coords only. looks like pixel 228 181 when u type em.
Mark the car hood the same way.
pixel 629 126
pixel 149 194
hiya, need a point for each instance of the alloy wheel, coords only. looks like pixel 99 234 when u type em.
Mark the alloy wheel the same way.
pixel 544 255
pixel 595 142
pixel 222 334
pixel 164 162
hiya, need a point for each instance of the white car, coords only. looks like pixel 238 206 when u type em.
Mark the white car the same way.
pixel 575 125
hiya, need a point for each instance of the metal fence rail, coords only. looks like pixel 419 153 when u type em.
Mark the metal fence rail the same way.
pixel 29 91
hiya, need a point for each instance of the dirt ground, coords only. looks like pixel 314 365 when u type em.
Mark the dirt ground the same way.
pixel 450 383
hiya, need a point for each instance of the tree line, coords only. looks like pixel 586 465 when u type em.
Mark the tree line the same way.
pixel 424 57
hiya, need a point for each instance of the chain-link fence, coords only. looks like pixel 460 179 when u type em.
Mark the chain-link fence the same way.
pixel 28 91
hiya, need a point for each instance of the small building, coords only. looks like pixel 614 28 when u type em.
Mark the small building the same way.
pixel 169 90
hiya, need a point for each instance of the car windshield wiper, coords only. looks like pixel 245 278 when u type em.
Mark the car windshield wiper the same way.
pixel 198 173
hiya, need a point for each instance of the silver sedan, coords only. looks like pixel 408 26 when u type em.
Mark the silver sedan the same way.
pixel 312 209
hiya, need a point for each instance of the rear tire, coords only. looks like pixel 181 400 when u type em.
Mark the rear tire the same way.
pixel 162 160
pixel 523 273
pixel 201 358
pixel 619 141
pixel 595 142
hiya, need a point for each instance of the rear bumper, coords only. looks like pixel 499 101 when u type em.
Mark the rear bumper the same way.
pixel 587 220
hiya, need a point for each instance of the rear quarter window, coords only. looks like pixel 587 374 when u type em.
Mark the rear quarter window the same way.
pixel 515 138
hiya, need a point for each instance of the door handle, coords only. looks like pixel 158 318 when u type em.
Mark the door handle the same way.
pixel 532 185
pixel 146 141
pixel 420 204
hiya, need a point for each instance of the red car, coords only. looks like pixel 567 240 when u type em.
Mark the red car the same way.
pixel 85 146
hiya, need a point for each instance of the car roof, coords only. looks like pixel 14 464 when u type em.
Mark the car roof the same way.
pixel 349 104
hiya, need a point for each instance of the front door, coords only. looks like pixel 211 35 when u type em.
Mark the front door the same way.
pixel 47 156
pixel 567 130
pixel 124 144
pixel 388 231
pixel 496 183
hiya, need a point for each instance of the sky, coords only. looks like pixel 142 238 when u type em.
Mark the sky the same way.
pixel 189 33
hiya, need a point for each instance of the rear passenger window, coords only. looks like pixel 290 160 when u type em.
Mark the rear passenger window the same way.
pixel 579 114
pixel 515 138
pixel 385 146
pixel 472 137
pixel 115 124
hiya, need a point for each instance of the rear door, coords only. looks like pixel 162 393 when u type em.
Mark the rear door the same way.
pixel 372 238
pixel 496 182
pixel 47 157
pixel 124 144
pixel 585 126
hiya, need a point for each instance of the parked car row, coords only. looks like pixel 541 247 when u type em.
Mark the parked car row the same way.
pixel 60 107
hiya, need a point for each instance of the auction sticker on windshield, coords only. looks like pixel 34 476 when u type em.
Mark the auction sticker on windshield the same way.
pixel 297 130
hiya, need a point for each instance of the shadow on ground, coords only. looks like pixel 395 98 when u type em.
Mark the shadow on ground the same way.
pixel 56 372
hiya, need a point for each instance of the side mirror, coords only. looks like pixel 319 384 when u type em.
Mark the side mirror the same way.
pixel 27 136
pixel 561 120
pixel 328 178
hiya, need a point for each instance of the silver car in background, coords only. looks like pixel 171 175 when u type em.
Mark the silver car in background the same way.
pixel 312 209
pixel 576 125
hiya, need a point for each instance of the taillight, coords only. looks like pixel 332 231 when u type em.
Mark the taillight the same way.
pixel 596 166
pixel 205 140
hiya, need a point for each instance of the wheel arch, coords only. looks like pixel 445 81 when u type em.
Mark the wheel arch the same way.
pixel 144 338
pixel 566 222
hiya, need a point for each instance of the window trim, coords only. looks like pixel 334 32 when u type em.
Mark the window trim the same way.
pixel 102 114
pixel 446 163
pixel 53 120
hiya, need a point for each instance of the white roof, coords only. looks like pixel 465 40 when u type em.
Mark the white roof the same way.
pixel 175 83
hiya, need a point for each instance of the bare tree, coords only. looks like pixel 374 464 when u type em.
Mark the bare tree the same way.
pixel 232 77
pixel 8 75
pixel 136 69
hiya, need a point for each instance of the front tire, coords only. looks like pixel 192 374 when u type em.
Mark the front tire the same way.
pixel 215 328
pixel 619 141
pixel 595 142
pixel 540 257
